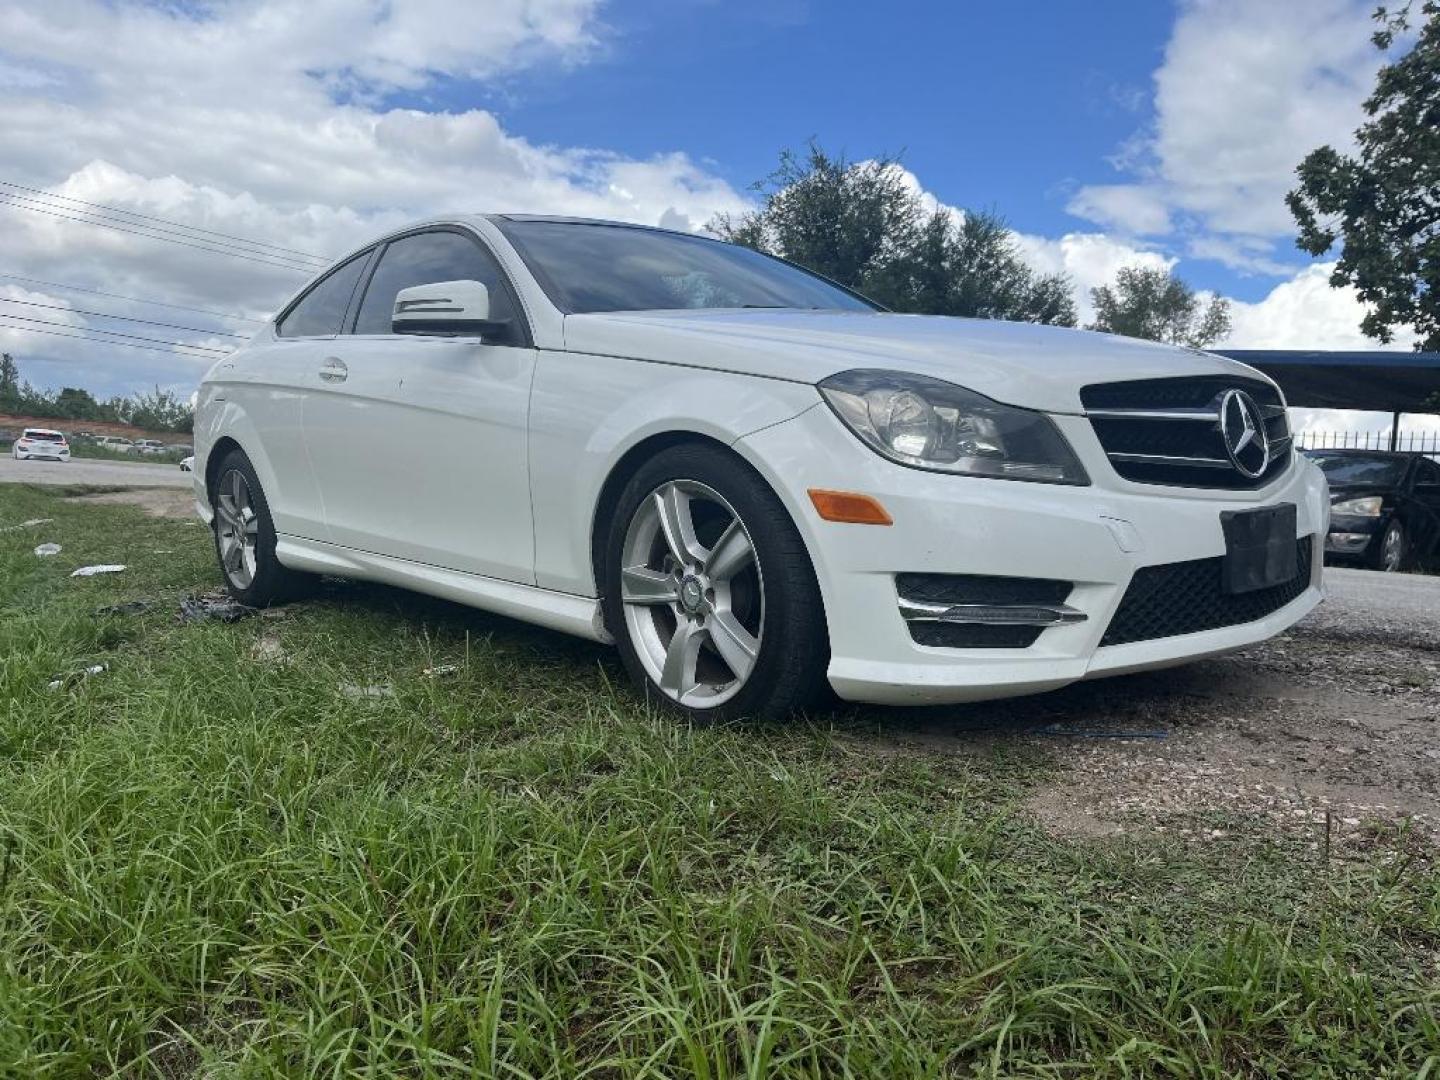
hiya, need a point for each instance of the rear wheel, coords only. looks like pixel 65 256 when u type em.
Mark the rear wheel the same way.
pixel 245 537
pixel 710 593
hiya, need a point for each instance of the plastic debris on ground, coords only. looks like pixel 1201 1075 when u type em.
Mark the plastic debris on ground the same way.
pixel 48 549
pixel 215 605
pixel 102 568
pixel 440 671
pixel 26 524
pixel 268 650
pixel 130 607
pixel 356 692
pixel 75 676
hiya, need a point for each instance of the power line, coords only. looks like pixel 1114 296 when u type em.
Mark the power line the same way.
pixel 7 200
pixel 93 206
pixel 131 299
pixel 124 318
pixel 81 337
pixel 116 333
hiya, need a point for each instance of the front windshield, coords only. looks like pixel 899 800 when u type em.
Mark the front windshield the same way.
pixel 1381 470
pixel 588 267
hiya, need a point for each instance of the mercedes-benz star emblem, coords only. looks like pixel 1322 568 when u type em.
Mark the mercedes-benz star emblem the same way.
pixel 1242 426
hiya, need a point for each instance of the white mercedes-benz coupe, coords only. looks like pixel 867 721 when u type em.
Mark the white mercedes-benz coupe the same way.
pixel 750 479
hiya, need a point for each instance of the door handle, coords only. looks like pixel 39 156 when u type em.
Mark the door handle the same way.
pixel 334 369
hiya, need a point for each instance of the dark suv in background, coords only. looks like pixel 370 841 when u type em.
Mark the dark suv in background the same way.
pixel 1384 507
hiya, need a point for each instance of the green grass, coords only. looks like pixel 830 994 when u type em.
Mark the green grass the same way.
pixel 217 859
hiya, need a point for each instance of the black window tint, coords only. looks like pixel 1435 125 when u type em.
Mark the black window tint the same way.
pixel 319 312
pixel 420 260
pixel 1429 472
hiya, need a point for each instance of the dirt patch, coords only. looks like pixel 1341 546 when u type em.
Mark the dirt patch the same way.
pixel 1314 734
pixel 1321 735
pixel 157 502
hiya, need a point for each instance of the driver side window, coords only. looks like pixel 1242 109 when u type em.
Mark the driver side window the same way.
pixel 429 257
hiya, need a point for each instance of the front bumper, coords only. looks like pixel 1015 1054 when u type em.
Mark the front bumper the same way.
pixel 1095 537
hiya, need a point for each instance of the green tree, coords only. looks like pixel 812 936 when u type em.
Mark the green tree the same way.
pixel 1382 205
pixel 1150 303
pixel 862 224
pixel 9 379
pixel 73 403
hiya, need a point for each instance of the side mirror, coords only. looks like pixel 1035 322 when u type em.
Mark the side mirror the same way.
pixel 445 307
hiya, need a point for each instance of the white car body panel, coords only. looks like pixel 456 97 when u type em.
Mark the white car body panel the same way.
pixel 475 471
pixel 420 451
pixel 587 412
pixel 1039 367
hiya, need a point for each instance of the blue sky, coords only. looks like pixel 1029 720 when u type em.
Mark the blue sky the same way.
pixel 983 122
pixel 1123 133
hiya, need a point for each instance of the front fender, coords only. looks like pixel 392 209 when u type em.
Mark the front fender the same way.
pixel 588 412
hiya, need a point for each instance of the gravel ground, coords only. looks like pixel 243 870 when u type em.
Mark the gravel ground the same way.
pixel 91 471
pixel 1322 735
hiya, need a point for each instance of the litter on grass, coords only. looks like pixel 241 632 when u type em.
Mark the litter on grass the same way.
pixel 102 568
pixel 440 671
pixel 356 692
pixel 27 524
pixel 75 676
pixel 214 605
pixel 48 549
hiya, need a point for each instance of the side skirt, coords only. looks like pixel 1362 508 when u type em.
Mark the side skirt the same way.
pixel 578 615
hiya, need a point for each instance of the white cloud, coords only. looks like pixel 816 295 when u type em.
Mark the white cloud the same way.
pixel 1247 88
pixel 268 120
pixel 1090 259
pixel 1305 312
pixel 1133 209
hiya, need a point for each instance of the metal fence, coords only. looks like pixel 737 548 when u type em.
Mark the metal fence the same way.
pixel 1424 442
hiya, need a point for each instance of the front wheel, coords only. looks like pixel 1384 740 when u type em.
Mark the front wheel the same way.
pixel 709 591
pixel 1390 556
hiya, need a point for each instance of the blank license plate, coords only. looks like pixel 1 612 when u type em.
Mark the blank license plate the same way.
pixel 1259 548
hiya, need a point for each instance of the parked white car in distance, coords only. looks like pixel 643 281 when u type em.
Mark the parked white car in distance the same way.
pixel 149 446
pixel 752 480
pixel 114 442
pixel 41 443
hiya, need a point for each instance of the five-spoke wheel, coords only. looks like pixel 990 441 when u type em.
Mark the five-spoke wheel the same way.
pixel 709 590
pixel 693 594
pixel 236 529
pixel 245 536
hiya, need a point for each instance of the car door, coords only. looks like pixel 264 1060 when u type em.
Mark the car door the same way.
pixel 419 442
pixel 1426 497
pixel 267 385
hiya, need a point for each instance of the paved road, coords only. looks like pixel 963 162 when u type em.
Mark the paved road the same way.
pixel 1403 602
pixel 90 471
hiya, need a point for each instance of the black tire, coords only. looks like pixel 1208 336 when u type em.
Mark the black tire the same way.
pixel 271 582
pixel 794 650
pixel 1394 535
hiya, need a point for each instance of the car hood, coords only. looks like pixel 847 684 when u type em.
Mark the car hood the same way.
pixel 1039 367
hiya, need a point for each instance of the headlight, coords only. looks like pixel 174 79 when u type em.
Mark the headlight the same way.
pixel 936 425
pixel 1369 506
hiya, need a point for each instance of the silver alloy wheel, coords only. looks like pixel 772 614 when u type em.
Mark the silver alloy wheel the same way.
pixel 693 597
pixel 1392 549
pixel 236 528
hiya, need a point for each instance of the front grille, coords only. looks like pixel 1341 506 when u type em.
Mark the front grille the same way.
pixel 1187 597
pixel 1167 431
pixel 977 589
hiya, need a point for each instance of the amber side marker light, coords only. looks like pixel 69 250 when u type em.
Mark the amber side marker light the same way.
pixel 849 507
